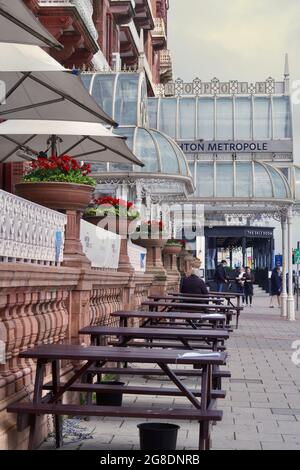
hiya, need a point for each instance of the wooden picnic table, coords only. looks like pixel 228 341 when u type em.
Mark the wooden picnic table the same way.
pixel 200 299
pixel 218 295
pixel 185 336
pixel 192 319
pixel 228 310
pixel 203 410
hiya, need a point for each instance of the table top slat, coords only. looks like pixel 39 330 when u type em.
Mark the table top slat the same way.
pixel 168 315
pixel 152 333
pixel 51 352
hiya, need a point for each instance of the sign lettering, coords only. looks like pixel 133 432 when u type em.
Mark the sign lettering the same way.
pixel 236 147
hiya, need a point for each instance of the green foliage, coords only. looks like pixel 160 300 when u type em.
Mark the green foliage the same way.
pixel 71 177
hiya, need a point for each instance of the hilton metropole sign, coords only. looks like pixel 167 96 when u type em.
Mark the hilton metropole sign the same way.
pixel 273 146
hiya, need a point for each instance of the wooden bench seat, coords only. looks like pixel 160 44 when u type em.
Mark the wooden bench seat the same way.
pixel 144 344
pixel 133 390
pixel 115 411
pixel 141 372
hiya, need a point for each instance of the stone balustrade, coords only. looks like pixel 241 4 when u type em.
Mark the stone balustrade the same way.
pixel 40 305
pixel 29 232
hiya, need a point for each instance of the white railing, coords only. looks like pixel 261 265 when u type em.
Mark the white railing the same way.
pixel 100 246
pixel 29 232
pixel 137 256
pixel 84 7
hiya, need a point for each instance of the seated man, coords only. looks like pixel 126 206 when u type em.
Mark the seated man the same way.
pixel 193 284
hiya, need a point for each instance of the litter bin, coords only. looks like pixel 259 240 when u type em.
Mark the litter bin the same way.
pixel 109 398
pixel 158 436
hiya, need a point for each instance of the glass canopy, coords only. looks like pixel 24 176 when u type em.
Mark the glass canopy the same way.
pixel 123 96
pixel 222 118
pixel 159 153
pixel 297 183
pixel 240 180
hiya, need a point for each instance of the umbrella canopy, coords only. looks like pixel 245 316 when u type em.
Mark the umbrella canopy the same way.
pixel 53 95
pixel 24 140
pixel 16 57
pixel 19 25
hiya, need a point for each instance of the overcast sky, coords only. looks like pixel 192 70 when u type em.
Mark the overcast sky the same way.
pixel 236 39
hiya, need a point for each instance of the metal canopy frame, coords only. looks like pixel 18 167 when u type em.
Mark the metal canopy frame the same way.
pixel 106 144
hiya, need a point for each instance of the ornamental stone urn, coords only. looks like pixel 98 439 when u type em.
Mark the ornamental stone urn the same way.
pixel 170 255
pixel 69 198
pixel 154 263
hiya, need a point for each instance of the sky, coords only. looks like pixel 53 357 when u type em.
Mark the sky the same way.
pixel 242 40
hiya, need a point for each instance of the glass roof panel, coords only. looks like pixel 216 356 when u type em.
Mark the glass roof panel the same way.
pixel 224 119
pixel 262 118
pixel 126 102
pixel 152 111
pixel 102 92
pixel 280 190
pixel 167 118
pixel 244 180
pixel 183 162
pixel 243 115
pixel 263 185
pixel 86 80
pixel 282 117
pixel 225 180
pixel 205 180
pixel 146 150
pixel 187 114
pixel 297 183
pixel 168 155
pixel 206 118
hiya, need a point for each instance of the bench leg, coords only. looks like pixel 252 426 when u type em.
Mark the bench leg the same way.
pixel 58 420
pixel 204 436
pixel 37 399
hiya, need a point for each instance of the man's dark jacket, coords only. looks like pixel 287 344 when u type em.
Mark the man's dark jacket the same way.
pixel 220 274
pixel 193 285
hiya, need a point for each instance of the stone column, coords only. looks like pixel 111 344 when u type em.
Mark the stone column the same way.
pixel 244 249
pixel 284 266
pixel 73 251
pixel 290 299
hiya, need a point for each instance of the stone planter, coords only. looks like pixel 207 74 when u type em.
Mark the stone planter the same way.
pixel 170 254
pixel 154 264
pixel 121 226
pixel 69 198
pixel 172 250
pixel 150 243
pixel 57 196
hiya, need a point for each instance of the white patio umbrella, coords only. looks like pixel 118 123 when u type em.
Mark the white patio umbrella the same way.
pixel 16 57
pixel 37 87
pixel 19 25
pixel 89 142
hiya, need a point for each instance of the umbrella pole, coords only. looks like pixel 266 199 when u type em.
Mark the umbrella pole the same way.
pixel 53 141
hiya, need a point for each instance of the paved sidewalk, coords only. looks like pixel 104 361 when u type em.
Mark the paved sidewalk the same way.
pixel 262 407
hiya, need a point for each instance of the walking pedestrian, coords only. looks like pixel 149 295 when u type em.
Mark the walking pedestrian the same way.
pixel 276 286
pixel 240 282
pixel 220 276
pixel 248 286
